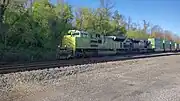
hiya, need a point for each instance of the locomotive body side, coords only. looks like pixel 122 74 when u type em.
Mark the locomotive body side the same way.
pixel 84 44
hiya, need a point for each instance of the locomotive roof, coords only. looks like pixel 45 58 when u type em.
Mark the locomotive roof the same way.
pixel 120 37
pixel 117 38
pixel 137 40
pixel 77 31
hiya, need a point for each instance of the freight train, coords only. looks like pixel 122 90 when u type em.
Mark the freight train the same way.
pixel 83 44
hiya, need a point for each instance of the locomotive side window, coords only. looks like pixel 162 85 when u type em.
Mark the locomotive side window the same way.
pixel 84 34
pixel 97 35
pixel 75 33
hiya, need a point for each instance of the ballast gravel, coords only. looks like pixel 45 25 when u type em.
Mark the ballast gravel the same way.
pixel 148 79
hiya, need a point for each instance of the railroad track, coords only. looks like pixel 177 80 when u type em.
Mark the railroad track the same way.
pixel 60 63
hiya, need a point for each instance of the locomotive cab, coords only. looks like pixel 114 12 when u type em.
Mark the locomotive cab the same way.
pixel 82 43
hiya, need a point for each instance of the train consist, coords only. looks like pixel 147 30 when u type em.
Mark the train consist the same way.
pixel 83 44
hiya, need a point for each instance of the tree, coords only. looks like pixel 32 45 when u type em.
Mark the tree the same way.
pixel 3 6
pixel 168 35
pixel 103 16
pixel 157 32
pixel 129 23
pixel 55 21
pixel 60 1
pixel 85 19
pixel 78 19
pixel 145 26
pixel 107 5
pixel 118 24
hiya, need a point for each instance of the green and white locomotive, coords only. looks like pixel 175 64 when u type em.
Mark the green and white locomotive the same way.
pixel 83 44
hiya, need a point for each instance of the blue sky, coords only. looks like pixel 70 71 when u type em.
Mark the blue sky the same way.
pixel 165 13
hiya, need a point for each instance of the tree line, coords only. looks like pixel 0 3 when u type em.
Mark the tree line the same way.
pixel 32 29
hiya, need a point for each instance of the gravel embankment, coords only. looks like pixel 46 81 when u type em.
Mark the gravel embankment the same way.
pixel 150 79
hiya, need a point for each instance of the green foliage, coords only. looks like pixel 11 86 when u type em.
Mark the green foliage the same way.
pixel 85 19
pixel 137 34
pixel 37 30
pixel 33 32
pixel 99 21
pixel 118 26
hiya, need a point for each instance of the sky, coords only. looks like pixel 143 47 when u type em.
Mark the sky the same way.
pixel 165 13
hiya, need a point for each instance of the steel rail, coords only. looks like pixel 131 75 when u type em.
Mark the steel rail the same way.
pixel 34 66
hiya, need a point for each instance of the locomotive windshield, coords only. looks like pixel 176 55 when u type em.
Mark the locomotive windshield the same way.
pixel 75 34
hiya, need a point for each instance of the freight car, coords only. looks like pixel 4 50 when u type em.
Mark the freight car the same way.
pixel 83 44
pixel 177 47
pixel 162 45
pixel 166 45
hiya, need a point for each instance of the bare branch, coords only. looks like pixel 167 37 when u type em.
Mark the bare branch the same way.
pixel 129 23
pixel 146 25
pixel 107 4
pixel 79 16
pixel 60 1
